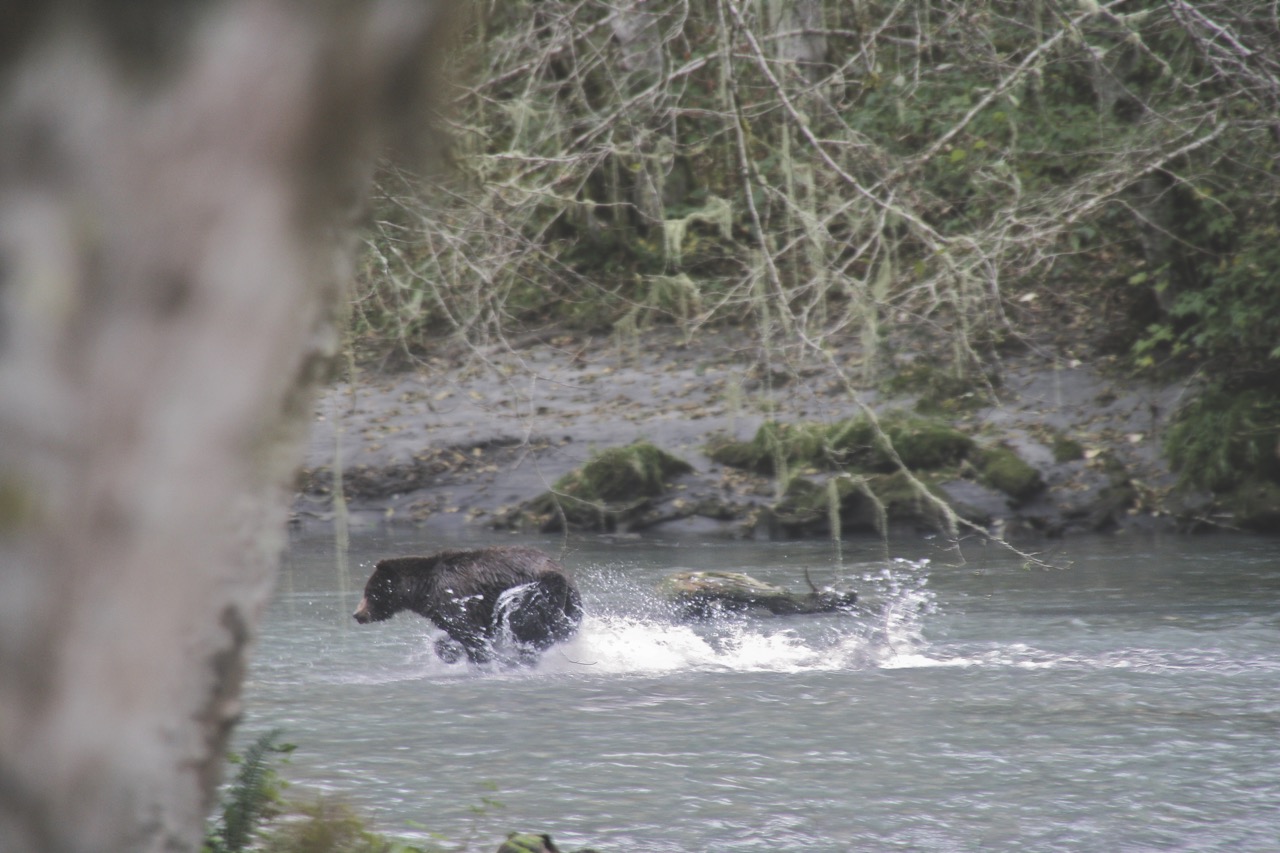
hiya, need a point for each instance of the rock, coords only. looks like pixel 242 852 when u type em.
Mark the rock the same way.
pixel 530 842
pixel 700 594
pixel 611 491
pixel 1003 469
pixel 527 842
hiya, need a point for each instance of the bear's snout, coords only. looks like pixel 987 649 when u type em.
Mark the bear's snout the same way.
pixel 362 612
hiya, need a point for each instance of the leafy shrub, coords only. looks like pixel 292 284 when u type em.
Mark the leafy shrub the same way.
pixel 253 797
pixel 325 826
pixel 1225 437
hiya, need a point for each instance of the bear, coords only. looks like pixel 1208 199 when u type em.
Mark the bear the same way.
pixel 516 597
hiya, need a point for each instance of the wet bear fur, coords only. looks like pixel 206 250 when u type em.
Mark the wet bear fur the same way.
pixel 483 599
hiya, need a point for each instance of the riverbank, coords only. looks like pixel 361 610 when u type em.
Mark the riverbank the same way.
pixel 467 437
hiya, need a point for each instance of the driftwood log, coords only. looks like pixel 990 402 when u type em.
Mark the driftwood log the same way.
pixel 700 594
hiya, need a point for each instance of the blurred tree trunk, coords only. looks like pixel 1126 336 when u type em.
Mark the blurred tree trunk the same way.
pixel 176 180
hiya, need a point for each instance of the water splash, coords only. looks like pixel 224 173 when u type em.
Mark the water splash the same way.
pixel 629 632
pixel 631 646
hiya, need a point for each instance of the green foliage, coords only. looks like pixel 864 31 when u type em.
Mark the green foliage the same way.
pixel 324 826
pixel 255 817
pixel 1235 318
pixel 1227 437
pixel 612 172
pixel 253 797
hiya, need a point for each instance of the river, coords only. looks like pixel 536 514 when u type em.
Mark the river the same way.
pixel 1127 700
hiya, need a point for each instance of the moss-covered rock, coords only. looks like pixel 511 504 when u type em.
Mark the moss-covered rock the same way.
pixel 774 446
pixel 862 504
pixel 804 509
pixel 851 445
pixel 925 445
pixel 941 391
pixel 1002 469
pixel 622 474
pixel 905 505
pixel 1065 448
pixel 613 487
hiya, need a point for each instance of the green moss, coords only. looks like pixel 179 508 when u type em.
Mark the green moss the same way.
pixel 805 505
pixel 1066 449
pixel 622 474
pixel 927 445
pixel 941 390
pixel 850 445
pixel 1003 470
pixel 1225 438
pixel 735 454
pixel 903 503
pixel 612 489
pixel 775 446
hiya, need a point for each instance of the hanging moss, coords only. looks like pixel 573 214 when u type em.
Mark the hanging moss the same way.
pixel 927 445
pixel 775 445
pixel 865 505
pixel 800 511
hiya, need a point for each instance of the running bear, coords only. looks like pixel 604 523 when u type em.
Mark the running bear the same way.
pixel 489 600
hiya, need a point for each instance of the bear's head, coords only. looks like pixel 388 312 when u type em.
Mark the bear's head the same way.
pixel 383 594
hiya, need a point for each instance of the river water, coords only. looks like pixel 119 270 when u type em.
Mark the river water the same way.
pixel 1129 700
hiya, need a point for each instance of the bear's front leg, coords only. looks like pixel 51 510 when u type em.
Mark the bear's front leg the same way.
pixel 476 645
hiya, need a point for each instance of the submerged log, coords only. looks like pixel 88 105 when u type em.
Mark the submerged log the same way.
pixel 700 594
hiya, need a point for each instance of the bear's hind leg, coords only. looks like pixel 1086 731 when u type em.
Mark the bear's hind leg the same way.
pixel 541 613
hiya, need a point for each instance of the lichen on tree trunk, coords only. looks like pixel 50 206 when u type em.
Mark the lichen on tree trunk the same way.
pixel 176 189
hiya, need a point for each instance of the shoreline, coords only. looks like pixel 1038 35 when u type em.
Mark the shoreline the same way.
pixel 463 439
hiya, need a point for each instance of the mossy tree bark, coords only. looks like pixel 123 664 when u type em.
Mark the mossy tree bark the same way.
pixel 175 185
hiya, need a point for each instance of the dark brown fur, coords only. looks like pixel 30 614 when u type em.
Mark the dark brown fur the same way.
pixel 460 591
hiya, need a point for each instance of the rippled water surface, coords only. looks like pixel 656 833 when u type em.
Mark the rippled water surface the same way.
pixel 1127 702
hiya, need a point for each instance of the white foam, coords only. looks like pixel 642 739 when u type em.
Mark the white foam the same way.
pixel 631 646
